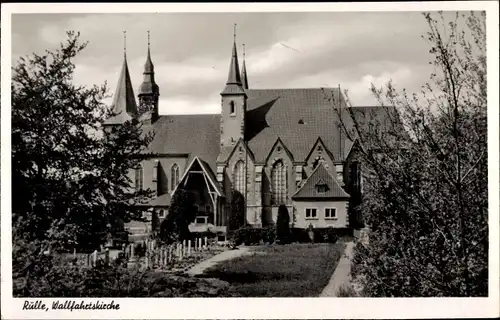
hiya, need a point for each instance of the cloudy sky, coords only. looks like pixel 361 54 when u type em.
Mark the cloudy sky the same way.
pixel 191 51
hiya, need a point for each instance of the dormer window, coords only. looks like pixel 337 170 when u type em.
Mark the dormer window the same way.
pixel 320 148
pixel 322 187
pixel 232 110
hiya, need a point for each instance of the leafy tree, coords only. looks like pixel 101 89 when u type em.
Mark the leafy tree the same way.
pixel 182 212
pixel 425 196
pixel 70 184
pixel 283 225
pixel 237 217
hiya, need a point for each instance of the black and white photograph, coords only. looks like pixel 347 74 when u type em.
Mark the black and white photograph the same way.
pixel 248 153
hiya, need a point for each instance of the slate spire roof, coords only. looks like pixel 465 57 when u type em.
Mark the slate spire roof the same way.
pixel 148 85
pixel 320 177
pixel 244 76
pixel 124 103
pixel 233 83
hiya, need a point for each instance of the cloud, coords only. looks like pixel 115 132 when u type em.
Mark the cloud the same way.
pixel 191 51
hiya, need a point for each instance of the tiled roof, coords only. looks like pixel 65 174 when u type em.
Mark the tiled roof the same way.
pixel 379 120
pixel 192 135
pixel 124 103
pixel 211 176
pixel 160 201
pixel 271 114
pixel 320 176
pixel 298 117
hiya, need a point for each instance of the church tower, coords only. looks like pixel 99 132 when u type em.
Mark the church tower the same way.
pixel 233 104
pixel 149 91
pixel 124 105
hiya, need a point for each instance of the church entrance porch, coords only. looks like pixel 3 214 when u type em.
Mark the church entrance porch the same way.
pixel 209 198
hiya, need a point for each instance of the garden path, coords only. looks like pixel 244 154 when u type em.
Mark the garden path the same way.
pixel 341 275
pixel 223 256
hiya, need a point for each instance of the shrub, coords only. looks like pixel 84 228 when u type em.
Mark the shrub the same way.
pixel 346 291
pixel 268 234
pixel 247 235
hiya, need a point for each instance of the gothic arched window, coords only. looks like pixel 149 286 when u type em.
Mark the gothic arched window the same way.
pixel 239 177
pixel 279 183
pixel 139 178
pixel 174 176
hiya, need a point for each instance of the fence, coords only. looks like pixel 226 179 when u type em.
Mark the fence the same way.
pixel 155 255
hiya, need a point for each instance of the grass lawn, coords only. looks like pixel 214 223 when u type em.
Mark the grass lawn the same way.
pixel 295 270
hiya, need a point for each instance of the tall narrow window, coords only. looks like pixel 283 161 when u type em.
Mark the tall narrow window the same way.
pixel 239 177
pixel 231 108
pixel 174 176
pixel 138 178
pixel 279 183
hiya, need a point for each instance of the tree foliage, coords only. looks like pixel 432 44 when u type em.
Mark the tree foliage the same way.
pixel 70 181
pixel 182 212
pixel 425 196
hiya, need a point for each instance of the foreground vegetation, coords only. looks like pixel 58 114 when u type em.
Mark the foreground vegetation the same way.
pixel 294 270
pixel 428 219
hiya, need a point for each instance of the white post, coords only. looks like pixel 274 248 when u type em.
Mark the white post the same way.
pixel 206 242
pixel 132 251
pixel 181 251
pixel 189 248
pixel 74 253
pixel 106 257
pixel 94 258
pixel 199 244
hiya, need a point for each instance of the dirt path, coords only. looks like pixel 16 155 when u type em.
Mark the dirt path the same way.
pixel 341 275
pixel 223 256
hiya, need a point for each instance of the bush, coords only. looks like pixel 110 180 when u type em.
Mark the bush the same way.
pixel 328 235
pixel 346 291
pixel 268 234
pixel 113 281
pixel 247 235
pixel 300 235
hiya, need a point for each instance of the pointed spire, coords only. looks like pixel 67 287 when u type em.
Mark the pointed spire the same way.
pixel 233 83
pixel 148 85
pixel 148 66
pixel 124 99
pixel 234 69
pixel 125 44
pixel 244 71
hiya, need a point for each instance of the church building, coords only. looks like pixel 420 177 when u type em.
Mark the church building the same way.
pixel 273 146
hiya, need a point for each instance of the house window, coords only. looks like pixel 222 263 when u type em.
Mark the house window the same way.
pixel 279 183
pixel 139 178
pixel 322 188
pixel 330 213
pixel 161 214
pixel 201 220
pixel 231 108
pixel 175 176
pixel 239 177
pixel 311 213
